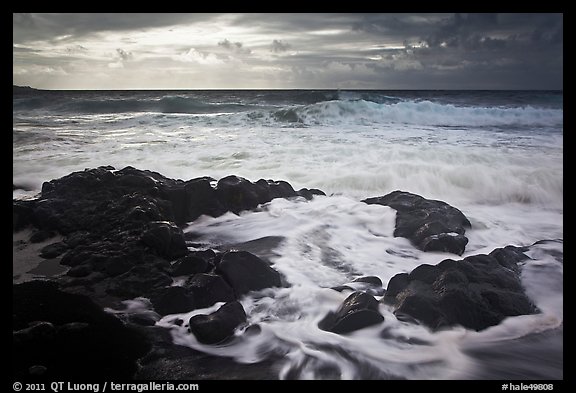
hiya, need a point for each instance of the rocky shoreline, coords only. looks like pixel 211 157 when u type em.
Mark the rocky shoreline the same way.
pixel 119 235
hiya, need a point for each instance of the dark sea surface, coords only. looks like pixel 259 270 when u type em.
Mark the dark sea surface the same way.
pixel 495 155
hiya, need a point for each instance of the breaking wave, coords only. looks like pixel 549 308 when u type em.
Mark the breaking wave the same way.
pixel 417 112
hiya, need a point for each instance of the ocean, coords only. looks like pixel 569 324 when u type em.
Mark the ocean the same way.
pixel 495 155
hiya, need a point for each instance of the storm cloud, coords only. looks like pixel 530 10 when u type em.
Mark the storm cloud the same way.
pixel 378 51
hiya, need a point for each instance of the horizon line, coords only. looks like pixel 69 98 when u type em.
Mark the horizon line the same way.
pixel 282 89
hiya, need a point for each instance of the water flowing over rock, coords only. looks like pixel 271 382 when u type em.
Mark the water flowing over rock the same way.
pixel 476 292
pixel 358 311
pixel 122 241
pixel 121 227
pixel 218 326
pixel 429 224
pixel 246 272
pixel 120 236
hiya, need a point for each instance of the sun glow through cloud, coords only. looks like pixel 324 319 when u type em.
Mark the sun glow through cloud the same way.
pixel 285 51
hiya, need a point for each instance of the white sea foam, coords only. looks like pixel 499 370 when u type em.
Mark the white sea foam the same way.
pixel 361 161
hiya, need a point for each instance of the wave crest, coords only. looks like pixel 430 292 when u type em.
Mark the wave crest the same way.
pixel 417 112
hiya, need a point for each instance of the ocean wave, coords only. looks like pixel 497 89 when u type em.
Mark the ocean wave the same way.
pixel 304 108
pixel 416 112
pixel 106 104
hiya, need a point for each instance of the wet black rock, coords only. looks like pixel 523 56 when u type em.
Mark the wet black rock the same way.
pixel 124 225
pixel 166 238
pixel 79 271
pixel 372 285
pixel 358 311
pixel 309 193
pixel 190 264
pixel 122 239
pixel 373 280
pixel 138 281
pixel 53 250
pixel 173 300
pixel 102 198
pixel 54 331
pixel 218 326
pixel 41 235
pixel 22 214
pixel 430 225
pixel 237 193
pixel 207 289
pixel 476 292
pixel 246 272
pixel 167 361
pixel 342 288
pixel 199 291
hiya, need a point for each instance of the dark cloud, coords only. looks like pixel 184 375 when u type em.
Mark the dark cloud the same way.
pixel 379 50
pixel 398 25
pixel 279 46
pixel 235 47
pixel 496 31
pixel 23 20
pixel 295 23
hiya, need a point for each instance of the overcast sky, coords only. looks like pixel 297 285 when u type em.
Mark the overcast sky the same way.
pixel 260 51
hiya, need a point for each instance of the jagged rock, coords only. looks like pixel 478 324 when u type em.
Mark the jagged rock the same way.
pixel 166 238
pixel 138 281
pixel 190 264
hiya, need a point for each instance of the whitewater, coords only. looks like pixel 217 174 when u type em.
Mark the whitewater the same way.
pixel 495 155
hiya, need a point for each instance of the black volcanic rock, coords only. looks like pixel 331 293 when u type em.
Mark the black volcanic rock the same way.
pixel 41 235
pixel 208 289
pixel 121 230
pixel 173 300
pixel 70 336
pixel 138 281
pixel 308 193
pixel 22 214
pixel 476 292
pixel 246 272
pixel 193 198
pixel 53 250
pixel 429 224
pixel 102 198
pixel 218 326
pixel 358 311
pixel 166 238
pixel 190 264
pixel 237 193
pixel 123 225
